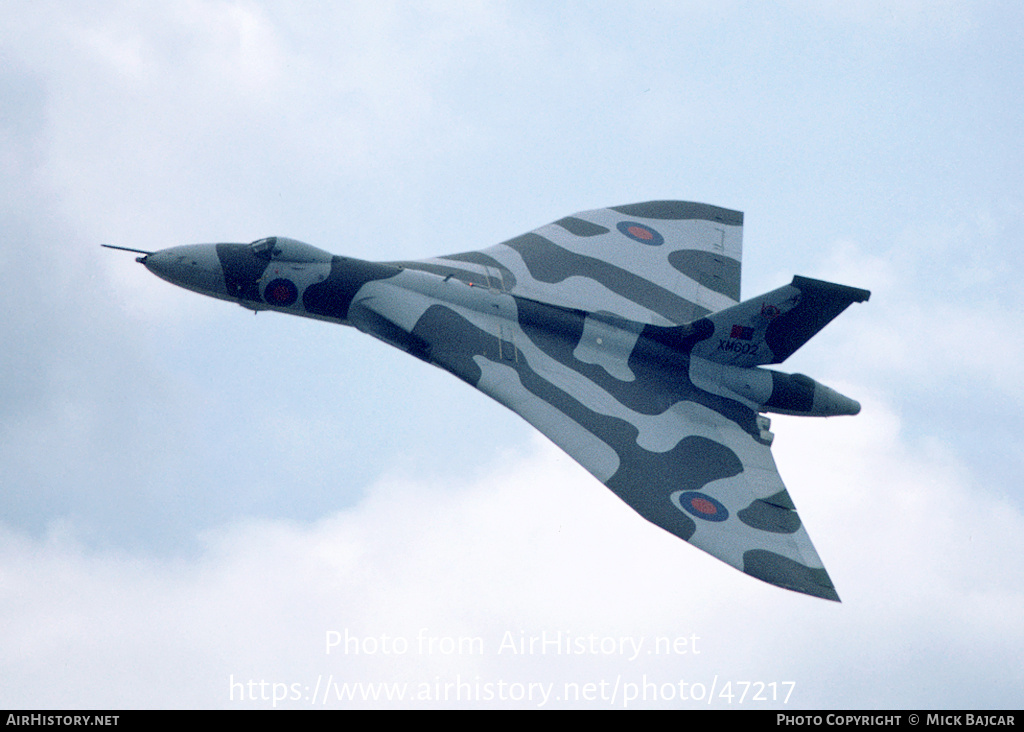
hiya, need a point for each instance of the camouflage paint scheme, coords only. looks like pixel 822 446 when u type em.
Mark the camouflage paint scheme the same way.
pixel 618 333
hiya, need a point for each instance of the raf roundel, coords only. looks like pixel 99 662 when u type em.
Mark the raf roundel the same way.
pixel 641 233
pixel 700 505
pixel 281 292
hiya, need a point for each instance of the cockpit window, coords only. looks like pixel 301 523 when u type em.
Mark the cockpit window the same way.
pixel 264 248
pixel 283 249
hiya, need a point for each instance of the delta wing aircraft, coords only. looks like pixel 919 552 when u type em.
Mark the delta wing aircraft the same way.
pixel 619 333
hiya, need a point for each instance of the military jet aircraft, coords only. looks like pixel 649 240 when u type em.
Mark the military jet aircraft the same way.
pixel 619 333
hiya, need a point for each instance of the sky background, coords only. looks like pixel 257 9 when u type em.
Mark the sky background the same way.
pixel 193 498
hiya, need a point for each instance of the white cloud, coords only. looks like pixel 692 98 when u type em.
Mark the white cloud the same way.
pixel 929 568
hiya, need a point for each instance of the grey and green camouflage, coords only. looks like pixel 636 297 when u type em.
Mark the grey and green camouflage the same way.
pixel 619 333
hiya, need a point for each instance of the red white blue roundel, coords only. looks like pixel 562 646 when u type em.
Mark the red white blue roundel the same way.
pixel 700 505
pixel 641 233
pixel 281 292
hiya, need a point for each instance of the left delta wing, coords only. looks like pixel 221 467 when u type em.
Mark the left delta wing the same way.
pixel 660 262
pixel 694 463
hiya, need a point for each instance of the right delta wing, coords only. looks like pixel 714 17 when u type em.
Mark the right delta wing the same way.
pixel 616 396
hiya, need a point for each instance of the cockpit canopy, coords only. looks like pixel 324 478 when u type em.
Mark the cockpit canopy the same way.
pixel 283 249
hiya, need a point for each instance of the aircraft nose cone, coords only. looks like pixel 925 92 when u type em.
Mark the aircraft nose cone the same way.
pixel 195 267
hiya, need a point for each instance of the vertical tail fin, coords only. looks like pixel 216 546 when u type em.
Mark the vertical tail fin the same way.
pixel 769 328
